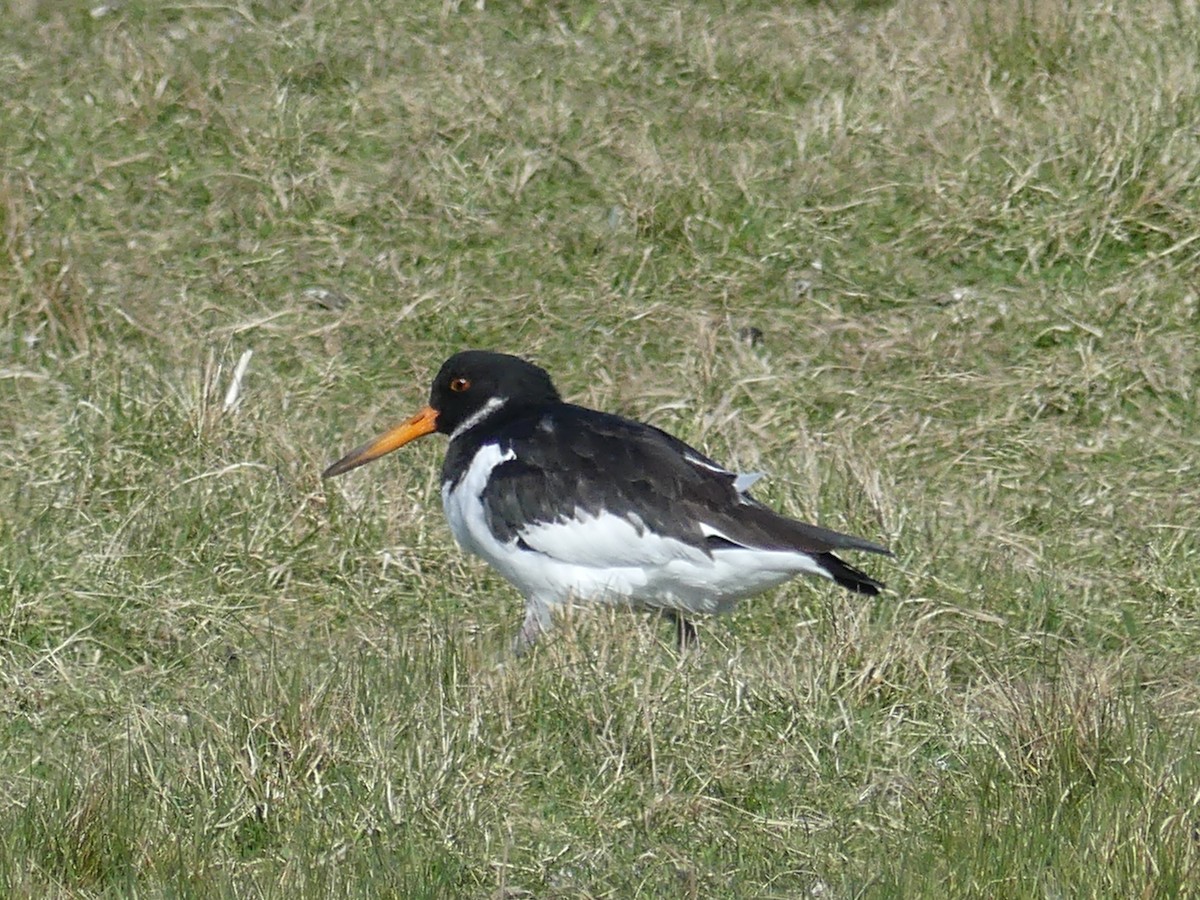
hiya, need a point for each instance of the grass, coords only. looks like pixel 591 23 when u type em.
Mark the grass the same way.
pixel 967 234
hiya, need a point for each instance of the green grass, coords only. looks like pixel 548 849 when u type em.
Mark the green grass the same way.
pixel 968 235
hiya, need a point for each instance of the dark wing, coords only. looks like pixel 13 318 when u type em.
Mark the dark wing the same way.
pixel 571 461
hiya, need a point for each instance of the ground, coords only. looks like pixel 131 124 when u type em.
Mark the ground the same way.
pixel 931 266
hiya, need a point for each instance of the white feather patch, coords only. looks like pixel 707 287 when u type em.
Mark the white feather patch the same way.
pixel 747 480
pixel 479 415
pixel 606 541
pixel 705 464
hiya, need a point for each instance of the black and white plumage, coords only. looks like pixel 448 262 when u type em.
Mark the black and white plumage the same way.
pixel 574 505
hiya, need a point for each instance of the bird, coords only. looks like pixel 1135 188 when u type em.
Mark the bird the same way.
pixel 573 505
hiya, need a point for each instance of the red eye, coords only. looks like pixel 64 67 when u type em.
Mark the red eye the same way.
pixel 458 385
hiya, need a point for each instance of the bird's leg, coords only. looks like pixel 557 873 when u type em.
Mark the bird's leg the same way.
pixel 685 631
pixel 537 622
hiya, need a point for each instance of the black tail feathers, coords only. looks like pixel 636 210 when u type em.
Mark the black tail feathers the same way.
pixel 850 578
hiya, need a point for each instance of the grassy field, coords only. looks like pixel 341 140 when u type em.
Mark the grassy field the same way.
pixel 969 234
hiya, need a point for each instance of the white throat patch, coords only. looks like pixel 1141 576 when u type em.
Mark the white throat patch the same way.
pixel 479 415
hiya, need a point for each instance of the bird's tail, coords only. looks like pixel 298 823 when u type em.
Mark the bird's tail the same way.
pixel 847 576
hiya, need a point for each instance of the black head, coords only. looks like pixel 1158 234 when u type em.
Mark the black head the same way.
pixel 473 383
pixel 471 380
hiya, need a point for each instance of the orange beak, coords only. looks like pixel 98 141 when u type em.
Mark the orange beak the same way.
pixel 419 425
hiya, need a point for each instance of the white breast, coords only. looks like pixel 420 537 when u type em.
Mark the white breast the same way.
pixel 464 510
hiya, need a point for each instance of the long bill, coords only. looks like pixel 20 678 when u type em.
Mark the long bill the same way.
pixel 419 425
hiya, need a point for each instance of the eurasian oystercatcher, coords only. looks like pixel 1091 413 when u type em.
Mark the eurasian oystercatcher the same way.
pixel 574 505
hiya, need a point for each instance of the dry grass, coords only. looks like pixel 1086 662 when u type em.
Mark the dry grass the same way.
pixel 967 234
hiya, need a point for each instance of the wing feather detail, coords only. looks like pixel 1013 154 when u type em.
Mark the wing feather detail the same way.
pixel 589 487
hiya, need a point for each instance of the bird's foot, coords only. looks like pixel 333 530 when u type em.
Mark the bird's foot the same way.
pixel 537 622
pixel 685 632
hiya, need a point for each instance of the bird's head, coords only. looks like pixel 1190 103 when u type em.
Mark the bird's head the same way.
pixel 470 387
